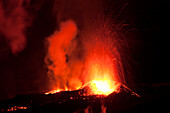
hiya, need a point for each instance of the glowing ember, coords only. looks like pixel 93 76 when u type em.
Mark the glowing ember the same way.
pixel 15 108
pixel 56 91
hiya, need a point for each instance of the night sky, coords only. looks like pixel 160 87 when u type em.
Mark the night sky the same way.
pixel 24 71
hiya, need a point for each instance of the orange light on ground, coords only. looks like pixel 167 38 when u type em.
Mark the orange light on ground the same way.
pixel 52 92
pixel 16 108
pixel 56 91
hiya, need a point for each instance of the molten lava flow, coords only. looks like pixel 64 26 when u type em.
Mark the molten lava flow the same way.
pixel 52 92
pixel 56 91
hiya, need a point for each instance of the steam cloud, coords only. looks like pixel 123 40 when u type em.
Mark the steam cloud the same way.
pixel 14 20
pixel 60 46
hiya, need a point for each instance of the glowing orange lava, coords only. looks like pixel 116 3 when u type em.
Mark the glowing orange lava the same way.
pixel 15 108
pixel 52 92
pixel 102 87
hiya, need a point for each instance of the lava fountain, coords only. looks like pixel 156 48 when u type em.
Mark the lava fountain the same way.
pixel 94 61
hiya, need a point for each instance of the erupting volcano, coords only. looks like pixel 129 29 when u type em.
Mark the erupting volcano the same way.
pixel 80 56
pixel 94 60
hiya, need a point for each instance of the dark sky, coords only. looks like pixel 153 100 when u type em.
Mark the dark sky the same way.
pixel 26 72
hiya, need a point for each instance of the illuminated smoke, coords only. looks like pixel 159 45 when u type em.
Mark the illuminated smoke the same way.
pixel 83 49
pixel 60 46
pixel 14 20
pixel 98 59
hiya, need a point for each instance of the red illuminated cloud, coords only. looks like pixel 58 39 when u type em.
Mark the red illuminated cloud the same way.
pixel 14 20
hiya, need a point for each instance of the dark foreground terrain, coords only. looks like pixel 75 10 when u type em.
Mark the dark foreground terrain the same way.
pixel 126 101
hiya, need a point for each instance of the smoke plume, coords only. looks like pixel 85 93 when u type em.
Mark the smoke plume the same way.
pixel 60 46
pixel 14 20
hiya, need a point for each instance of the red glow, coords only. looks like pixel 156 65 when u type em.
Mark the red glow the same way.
pixel 103 87
pixel 15 108
pixel 98 65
